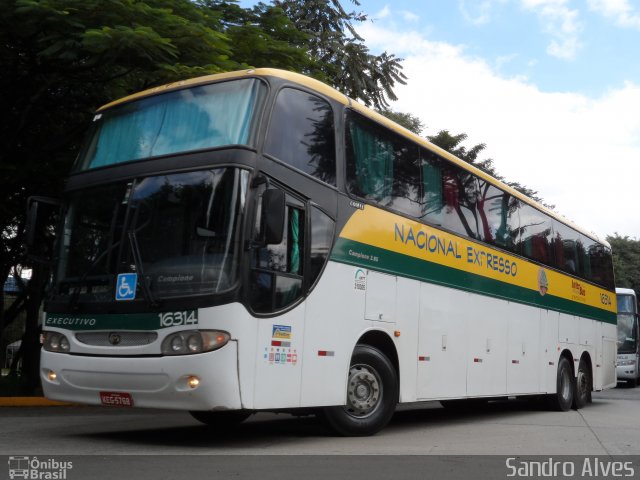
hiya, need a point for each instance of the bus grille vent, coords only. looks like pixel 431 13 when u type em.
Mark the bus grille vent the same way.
pixel 117 339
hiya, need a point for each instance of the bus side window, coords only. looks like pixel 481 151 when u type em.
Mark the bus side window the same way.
pixel 535 235
pixel 499 219
pixel 301 133
pixel 322 227
pixel 277 270
pixel 382 166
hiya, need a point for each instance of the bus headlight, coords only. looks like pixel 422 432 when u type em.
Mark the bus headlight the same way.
pixel 194 341
pixel 56 342
pixel 626 362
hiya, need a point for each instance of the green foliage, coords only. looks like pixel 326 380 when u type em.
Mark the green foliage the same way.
pixel 341 57
pixel 407 120
pixel 263 36
pixel 626 261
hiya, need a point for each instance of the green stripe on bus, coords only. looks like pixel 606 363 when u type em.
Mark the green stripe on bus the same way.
pixel 395 263
pixel 140 321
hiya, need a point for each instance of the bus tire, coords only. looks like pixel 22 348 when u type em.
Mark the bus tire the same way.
pixel 563 398
pixel 582 392
pixel 372 395
pixel 222 420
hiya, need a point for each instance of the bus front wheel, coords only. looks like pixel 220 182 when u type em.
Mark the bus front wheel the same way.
pixel 563 398
pixel 372 395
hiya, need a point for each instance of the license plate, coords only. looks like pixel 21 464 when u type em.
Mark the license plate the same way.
pixel 116 399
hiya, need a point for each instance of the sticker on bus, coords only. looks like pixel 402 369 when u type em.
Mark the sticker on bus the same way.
pixel 116 399
pixel 281 331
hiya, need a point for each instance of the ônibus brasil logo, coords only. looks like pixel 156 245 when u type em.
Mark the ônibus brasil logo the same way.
pixel 38 469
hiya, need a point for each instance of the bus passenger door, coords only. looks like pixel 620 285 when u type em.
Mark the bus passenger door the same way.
pixel 276 290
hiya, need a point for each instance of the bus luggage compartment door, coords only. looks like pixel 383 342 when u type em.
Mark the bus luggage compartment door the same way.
pixel 381 297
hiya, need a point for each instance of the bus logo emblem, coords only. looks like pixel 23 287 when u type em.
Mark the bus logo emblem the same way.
pixel 126 286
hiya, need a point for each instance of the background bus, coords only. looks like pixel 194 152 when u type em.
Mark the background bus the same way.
pixel 256 241
pixel 628 348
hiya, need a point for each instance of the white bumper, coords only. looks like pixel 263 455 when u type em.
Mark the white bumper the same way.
pixel 152 382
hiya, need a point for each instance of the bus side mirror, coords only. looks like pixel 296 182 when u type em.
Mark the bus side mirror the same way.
pixel 273 213
pixel 42 216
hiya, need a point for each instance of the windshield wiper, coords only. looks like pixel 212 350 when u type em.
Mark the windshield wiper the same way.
pixel 137 260
pixel 76 292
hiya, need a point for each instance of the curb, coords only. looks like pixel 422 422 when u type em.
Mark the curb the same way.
pixel 31 402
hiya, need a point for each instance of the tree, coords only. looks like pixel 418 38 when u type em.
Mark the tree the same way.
pixel 407 120
pixel 626 261
pixel 62 59
pixel 263 36
pixel 341 57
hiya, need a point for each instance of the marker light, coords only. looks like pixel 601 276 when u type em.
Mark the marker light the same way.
pixel 193 381
pixel 194 341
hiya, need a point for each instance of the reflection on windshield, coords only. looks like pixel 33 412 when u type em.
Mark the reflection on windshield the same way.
pixel 626 333
pixel 177 231
pixel 626 303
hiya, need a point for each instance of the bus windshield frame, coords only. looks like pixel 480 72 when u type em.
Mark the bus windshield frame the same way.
pixel 179 233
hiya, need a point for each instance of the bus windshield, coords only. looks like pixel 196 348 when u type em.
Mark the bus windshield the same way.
pixel 626 303
pixel 178 232
pixel 205 116
pixel 626 333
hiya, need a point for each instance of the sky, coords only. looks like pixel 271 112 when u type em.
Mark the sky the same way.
pixel 552 87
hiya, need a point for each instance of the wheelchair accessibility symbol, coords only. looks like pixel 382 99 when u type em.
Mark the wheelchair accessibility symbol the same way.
pixel 126 286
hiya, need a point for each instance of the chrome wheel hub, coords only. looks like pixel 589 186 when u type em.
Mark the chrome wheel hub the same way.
pixel 364 391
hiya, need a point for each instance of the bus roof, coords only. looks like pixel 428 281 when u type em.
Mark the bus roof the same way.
pixel 331 92
pixel 625 291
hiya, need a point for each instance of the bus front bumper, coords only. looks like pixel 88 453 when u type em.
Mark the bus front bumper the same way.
pixel 150 382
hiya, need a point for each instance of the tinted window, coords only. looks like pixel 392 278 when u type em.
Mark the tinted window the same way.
pixel 321 240
pixel 460 197
pixel 432 187
pixel 499 216
pixel 382 166
pixel 535 234
pixel 601 265
pixel 301 133
pixel 278 269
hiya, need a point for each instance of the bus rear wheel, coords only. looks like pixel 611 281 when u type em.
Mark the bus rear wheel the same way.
pixel 563 398
pixel 372 395
pixel 582 394
pixel 222 420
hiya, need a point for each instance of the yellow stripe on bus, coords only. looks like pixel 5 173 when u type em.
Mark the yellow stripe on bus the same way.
pixel 385 230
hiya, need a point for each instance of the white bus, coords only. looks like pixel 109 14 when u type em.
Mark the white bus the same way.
pixel 256 241
pixel 628 349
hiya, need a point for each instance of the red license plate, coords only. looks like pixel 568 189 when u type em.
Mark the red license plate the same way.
pixel 116 399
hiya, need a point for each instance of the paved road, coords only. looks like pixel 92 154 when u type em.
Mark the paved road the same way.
pixel 609 426
pixel 422 442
